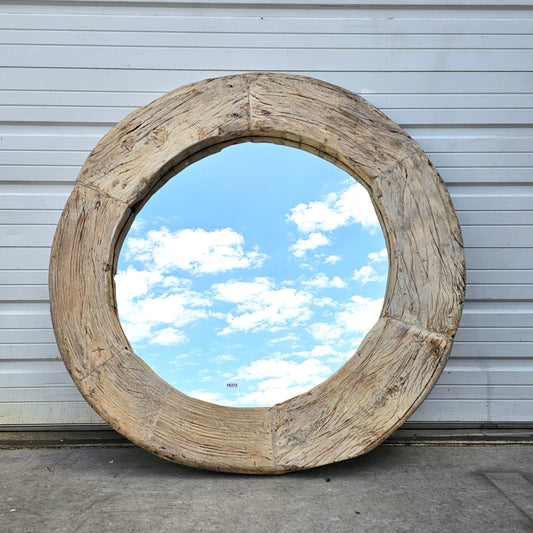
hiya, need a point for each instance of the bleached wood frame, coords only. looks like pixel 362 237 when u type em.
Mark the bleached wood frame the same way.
pixel 399 360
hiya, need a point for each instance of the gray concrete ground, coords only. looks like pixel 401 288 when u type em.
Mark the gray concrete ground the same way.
pixel 425 489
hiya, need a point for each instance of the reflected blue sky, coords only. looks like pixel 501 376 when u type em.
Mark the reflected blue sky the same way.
pixel 252 275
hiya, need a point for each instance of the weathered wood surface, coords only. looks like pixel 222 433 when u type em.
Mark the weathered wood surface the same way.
pixel 396 365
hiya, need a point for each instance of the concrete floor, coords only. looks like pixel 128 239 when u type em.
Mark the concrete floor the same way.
pixel 425 489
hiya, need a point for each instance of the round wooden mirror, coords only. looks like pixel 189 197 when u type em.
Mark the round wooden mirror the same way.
pixel 395 366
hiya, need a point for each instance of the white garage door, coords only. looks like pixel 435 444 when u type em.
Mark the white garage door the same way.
pixel 457 77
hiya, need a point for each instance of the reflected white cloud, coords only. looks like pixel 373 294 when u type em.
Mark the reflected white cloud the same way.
pixel 321 281
pixel 326 331
pixel 168 337
pixel 313 241
pixel 358 316
pixel 206 396
pixel 366 274
pixel 318 351
pixel 351 206
pixel 194 250
pixel 133 283
pixel 361 314
pixel 279 379
pixel 379 257
pixel 144 309
pixel 261 305
pixel 332 259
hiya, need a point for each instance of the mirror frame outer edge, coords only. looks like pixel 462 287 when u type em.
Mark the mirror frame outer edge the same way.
pixel 398 361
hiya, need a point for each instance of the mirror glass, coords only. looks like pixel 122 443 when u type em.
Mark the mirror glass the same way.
pixel 252 275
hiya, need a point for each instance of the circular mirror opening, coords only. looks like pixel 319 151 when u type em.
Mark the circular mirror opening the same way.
pixel 252 275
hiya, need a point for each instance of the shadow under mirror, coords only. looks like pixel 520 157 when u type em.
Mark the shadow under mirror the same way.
pixel 252 275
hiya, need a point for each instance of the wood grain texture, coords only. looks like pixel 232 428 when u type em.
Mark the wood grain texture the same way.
pixel 396 365
pixel 158 139
pixel 427 272
pixel 364 401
